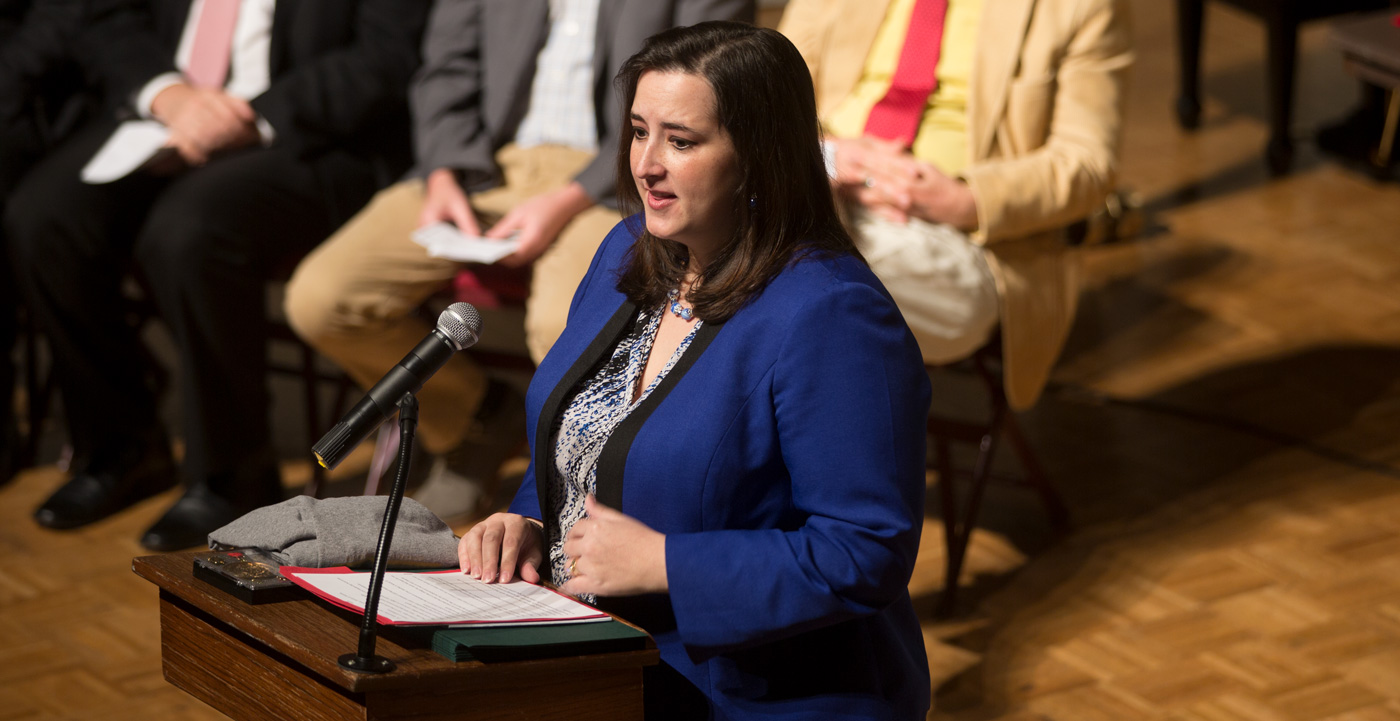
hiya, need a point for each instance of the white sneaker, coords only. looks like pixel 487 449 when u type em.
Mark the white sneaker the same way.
pixel 465 480
pixel 448 494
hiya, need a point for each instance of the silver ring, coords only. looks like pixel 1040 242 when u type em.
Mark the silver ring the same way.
pixel 869 182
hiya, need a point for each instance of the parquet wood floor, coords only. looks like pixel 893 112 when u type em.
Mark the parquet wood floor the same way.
pixel 1223 426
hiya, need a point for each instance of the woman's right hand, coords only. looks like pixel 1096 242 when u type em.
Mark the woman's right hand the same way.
pixel 502 547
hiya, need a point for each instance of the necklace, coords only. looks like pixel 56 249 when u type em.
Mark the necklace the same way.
pixel 674 295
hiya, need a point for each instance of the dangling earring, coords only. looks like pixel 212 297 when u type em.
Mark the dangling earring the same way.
pixel 753 202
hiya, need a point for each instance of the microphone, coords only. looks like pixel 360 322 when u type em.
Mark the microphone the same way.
pixel 458 328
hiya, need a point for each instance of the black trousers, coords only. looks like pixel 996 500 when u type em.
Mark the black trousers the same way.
pixel 205 243
pixel 20 146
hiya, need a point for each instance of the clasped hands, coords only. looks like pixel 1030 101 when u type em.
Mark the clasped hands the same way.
pixel 883 176
pixel 611 553
pixel 204 122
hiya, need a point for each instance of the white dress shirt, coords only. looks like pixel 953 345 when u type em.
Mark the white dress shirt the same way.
pixel 249 73
pixel 136 142
pixel 561 94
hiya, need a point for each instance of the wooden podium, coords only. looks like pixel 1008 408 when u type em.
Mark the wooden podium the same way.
pixel 278 661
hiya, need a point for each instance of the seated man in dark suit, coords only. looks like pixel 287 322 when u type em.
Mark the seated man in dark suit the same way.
pixel 274 122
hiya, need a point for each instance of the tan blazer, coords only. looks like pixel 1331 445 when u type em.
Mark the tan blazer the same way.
pixel 1044 114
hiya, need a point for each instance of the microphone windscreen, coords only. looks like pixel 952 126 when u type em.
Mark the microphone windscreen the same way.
pixel 461 324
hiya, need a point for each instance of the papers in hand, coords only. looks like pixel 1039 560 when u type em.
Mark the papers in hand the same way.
pixel 444 240
pixel 134 143
pixel 443 598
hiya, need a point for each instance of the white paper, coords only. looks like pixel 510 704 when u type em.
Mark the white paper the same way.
pixel 133 143
pixel 444 240
pixel 448 598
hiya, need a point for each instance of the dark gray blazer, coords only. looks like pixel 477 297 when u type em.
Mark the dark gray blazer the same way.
pixel 473 88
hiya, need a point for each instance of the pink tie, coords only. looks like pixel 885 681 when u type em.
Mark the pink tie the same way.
pixel 897 115
pixel 213 43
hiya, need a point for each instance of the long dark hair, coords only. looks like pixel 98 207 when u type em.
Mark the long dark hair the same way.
pixel 767 106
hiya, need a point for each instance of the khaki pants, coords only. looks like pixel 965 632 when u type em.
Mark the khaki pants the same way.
pixel 354 297
pixel 939 279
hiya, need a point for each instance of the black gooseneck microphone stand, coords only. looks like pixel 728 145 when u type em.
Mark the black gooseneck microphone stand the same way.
pixel 364 660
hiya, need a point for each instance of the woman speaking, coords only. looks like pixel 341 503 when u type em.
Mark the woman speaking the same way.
pixel 728 444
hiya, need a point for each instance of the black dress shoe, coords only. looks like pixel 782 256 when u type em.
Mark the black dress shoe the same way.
pixel 189 522
pixel 93 494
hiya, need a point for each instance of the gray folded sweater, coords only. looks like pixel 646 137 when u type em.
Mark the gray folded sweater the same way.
pixel 304 531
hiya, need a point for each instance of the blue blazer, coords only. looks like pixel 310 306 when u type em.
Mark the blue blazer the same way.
pixel 783 457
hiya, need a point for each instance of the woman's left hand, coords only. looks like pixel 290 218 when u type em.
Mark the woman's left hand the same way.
pixel 613 554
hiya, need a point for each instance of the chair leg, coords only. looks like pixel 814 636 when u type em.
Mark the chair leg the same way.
pixel 1283 56
pixel 342 394
pixel 953 565
pixel 960 519
pixel 1189 19
pixel 1035 475
pixel 959 522
pixel 310 387
pixel 38 389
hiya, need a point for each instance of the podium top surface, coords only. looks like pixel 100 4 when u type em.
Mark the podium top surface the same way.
pixel 314 634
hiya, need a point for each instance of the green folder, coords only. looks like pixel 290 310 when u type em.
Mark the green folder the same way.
pixel 519 643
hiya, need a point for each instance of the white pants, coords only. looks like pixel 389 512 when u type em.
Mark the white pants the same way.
pixel 937 276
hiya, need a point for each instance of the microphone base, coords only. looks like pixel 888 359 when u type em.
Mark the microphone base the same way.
pixel 363 664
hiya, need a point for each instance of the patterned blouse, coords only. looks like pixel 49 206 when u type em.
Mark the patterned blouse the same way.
pixel 600 404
